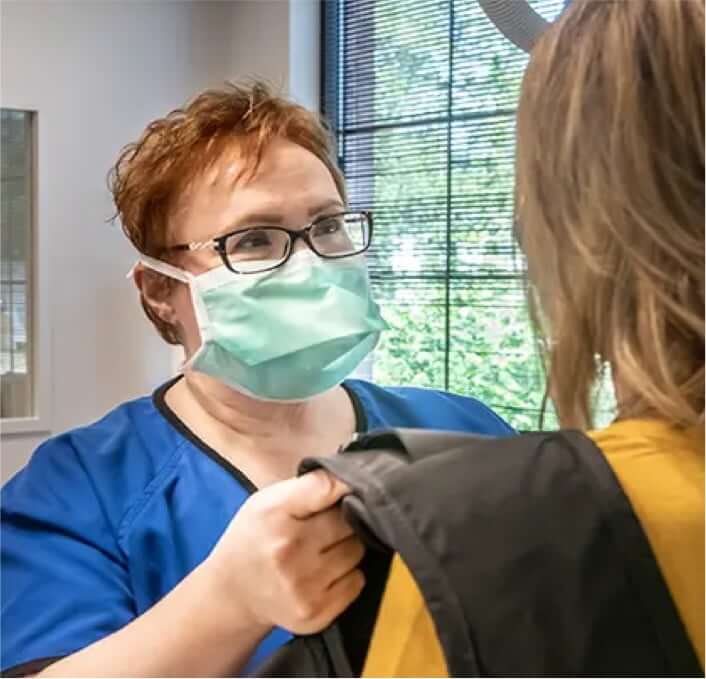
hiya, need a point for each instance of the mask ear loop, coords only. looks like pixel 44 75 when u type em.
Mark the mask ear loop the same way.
pixel 161 267
pixel 199 309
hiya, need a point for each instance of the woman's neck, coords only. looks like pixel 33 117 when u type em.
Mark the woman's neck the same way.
pixel 263 439
pixel 244 415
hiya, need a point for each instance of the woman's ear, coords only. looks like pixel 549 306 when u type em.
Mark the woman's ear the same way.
pixel 155 290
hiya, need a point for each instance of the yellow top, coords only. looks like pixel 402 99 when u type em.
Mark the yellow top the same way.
pixel 661 470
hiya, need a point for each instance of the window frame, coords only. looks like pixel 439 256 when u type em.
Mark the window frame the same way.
pixel 441 368
pixel 334 42
pixel 39 293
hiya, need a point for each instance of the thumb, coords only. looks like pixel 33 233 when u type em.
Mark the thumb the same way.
pixel 313 493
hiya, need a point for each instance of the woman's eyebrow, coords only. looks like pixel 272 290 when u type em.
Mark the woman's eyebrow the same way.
pixel 276 219
pixel 257 219
pixel 326 205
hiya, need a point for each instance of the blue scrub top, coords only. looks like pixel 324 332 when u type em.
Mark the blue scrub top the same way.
pixel 107 519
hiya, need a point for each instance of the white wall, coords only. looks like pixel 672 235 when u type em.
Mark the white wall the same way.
pixel 97 72
pixel 279 41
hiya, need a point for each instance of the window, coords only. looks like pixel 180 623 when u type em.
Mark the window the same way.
pixel 422 98
pixel 16 270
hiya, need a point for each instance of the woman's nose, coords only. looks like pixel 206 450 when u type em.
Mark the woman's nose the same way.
pixel 299 245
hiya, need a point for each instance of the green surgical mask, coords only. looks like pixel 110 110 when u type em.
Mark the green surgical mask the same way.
pixel 283 335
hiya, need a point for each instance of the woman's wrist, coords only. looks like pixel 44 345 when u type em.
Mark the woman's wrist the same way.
pixel 196 629
pixel 226 603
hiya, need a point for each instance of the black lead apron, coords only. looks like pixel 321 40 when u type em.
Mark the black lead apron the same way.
pixel 526 550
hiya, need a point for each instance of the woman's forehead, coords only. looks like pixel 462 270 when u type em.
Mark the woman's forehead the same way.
pixel 290 186
pixel 233 168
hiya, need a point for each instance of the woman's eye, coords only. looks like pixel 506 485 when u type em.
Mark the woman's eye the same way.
pixel 254 240
pixel 329 227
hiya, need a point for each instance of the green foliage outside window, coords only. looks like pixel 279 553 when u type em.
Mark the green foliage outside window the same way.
pixel 437 150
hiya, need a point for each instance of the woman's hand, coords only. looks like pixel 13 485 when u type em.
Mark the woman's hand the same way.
pixel 288 557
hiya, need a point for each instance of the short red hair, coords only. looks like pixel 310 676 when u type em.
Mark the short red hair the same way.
pixel 172 151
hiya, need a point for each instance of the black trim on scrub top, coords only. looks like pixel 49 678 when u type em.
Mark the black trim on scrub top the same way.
pixel 361 426
pixel 161 404
pixel 27 669
pixel 361 419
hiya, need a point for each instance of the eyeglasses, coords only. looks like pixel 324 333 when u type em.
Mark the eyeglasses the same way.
pixel 263 248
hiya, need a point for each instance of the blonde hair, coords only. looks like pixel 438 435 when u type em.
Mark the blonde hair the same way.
pixel 172 151
pixel 610 205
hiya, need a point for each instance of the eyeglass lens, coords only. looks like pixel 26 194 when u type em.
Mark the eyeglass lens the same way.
pixel 264 248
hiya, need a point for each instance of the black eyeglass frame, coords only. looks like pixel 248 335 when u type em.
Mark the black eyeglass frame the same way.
pixel 219 244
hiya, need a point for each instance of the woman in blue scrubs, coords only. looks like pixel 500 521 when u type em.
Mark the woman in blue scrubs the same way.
pixel 137 545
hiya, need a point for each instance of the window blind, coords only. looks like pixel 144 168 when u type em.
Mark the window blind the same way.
pixel 421 96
